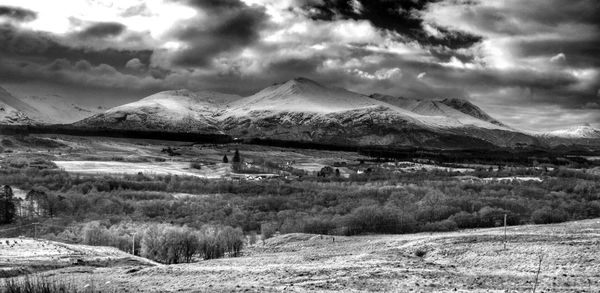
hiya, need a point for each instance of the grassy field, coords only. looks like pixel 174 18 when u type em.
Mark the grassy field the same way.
pixel 464 261
pixel 20 256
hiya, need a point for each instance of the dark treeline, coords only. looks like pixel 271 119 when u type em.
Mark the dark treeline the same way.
pixel 462 153
pixel 118 133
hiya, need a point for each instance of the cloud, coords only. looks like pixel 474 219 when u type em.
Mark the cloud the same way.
pixel 135 64
pixel 536 57
pixel 29 47
pixel 102 30
pixel 17 13
pixel 137 10
pixel 560 57
pixel 401 17
pixel 221 27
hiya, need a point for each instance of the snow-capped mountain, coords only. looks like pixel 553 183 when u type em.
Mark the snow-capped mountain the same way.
pixel 584 131
pixel 178 110
pixel 50 109
pixel 460 109
pixel 301 109
pixel 304 110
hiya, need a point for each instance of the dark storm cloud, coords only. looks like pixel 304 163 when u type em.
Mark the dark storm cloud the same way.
pixel 578 53
pixel 397 16
pixel 102 30
pixel 17 13
pixel 231 25
pixel 43 47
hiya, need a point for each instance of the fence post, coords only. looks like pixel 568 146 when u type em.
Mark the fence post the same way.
pixel 504 231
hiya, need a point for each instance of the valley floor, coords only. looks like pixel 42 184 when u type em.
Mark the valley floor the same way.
pixel 464 261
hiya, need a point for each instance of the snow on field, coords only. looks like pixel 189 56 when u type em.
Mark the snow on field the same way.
pixel 39 254
pixel 316 167
pixel 412 167
pixel 149 168
pixel 513 178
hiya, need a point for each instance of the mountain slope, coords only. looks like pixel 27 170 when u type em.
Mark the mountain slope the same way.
pixel 37 109
pixel 583 131
pixel 56 110
pixel 583 136
pixel 179 110
pixel 462 110
pixel 12 110
pixel 301 95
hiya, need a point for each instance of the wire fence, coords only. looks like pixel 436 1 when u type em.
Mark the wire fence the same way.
pixel 34 230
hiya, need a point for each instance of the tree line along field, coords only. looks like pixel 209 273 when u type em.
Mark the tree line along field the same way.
pixel 208 218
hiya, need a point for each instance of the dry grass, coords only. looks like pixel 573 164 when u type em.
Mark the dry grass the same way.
pixel 466 261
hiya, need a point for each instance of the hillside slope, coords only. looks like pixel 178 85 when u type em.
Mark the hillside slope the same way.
pixel 49 109
pixel 12 110
pixel 462 261
pixel 179 110
pixel 55 109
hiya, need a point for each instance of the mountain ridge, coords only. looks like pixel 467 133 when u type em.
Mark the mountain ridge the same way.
pixel 304 110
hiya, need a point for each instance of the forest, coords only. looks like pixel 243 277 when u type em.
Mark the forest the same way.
pixel 103 210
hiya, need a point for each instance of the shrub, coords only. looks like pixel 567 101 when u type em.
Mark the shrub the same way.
pixel 465 220
pixel 196 165
pixel 377 219
pixel 420 252
pixel 37 285
pixel 547 215
pixel 94 234
pixel 169 244
pixel 441 226
pixel 267 230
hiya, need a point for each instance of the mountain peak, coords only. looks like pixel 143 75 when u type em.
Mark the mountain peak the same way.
pixel 471 109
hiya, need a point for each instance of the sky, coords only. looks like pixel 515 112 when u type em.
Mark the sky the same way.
pixel 532 64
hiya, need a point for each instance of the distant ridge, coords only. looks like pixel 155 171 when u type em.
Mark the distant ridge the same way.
pixel 583 131
pixel 39 109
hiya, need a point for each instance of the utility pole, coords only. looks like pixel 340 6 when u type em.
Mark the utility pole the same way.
pixel 34 230
pixel 504 231
pixel 133 244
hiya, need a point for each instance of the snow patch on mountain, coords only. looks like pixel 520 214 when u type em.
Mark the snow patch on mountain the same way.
pixel 463 112
pixel 583 131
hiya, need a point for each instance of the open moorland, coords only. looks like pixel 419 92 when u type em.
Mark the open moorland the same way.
pixel 465 261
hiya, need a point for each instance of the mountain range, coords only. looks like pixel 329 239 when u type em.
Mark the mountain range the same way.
pixel 304 110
